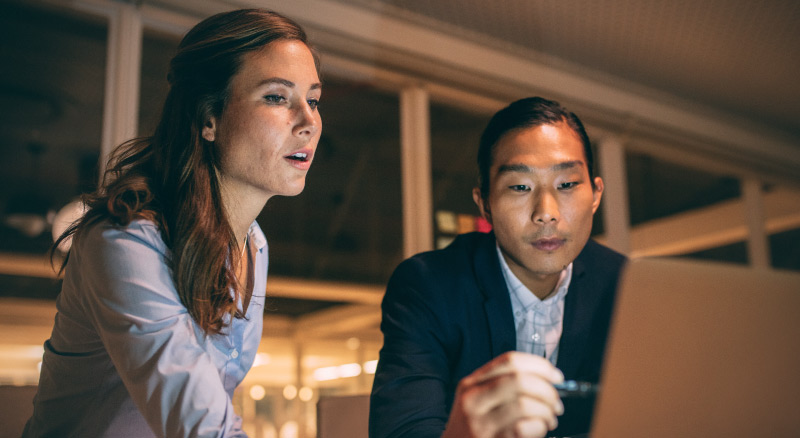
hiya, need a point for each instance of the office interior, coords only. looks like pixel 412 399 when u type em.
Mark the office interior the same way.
pixel 693 109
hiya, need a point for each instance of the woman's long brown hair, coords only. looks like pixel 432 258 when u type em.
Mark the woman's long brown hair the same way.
pixel 171 177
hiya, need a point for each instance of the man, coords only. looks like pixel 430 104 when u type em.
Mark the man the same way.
pixel 476 334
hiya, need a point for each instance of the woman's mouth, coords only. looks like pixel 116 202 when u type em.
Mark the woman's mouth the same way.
pixel 300 159
pixel 298 156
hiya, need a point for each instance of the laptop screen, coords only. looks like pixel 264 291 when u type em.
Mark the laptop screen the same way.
pixel 702 349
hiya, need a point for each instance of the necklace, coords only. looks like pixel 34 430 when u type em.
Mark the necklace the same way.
pixel 244 245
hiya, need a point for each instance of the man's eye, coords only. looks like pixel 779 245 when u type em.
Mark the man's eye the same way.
pixel 519 188
pixel 274 98
pixel 313 103
pixel 567 185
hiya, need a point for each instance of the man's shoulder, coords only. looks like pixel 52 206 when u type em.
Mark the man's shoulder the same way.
pixel 456 261
pixel 462 248
pixel 600 258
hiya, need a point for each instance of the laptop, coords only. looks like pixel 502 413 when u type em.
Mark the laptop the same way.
pixel 701 349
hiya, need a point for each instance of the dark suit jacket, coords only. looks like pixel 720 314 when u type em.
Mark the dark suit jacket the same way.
pixel 448 312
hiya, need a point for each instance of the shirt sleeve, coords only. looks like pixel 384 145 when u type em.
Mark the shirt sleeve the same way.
pixel 411 389
pixel 150 336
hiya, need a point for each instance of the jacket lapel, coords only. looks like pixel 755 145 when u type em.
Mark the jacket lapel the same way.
pixel 497 302
pixel 579 311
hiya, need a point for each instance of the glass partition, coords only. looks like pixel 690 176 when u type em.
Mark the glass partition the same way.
pixel 782 216
pixel 681 210
pixel 51 92
pixel 455 135
pixel 660 189
pixel 157 50
pixel 785 249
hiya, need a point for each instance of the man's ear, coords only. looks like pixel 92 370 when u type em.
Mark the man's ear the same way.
pixel 597 193
pixel 483 205
pixel 209 132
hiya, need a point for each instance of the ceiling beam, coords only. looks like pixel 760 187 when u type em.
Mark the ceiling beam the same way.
pixel 717 225
pixel 350 319
pixel 286 287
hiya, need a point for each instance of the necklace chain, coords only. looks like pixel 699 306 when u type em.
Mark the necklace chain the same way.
pixel 244 245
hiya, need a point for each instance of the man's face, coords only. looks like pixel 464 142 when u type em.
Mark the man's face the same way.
pixel 540 201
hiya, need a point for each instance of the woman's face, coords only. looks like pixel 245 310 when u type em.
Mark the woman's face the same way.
pixel 269 129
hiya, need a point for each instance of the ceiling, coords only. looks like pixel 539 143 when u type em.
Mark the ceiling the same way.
pixel 737 58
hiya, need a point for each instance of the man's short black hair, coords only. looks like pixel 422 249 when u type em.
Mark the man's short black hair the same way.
pixel 527 113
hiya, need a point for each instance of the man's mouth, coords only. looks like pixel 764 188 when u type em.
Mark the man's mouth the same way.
pixel 549 245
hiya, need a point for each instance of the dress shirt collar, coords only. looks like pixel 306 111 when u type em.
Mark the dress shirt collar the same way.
pixel 524 295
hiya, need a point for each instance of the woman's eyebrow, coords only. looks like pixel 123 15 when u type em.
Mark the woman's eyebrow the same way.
pixel 287 83
pixel 281 81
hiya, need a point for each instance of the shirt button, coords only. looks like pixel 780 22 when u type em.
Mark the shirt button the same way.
pixel 535 336
pixel 235 353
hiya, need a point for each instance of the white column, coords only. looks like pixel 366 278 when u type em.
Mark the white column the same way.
pixel 297 405
pixel 415 140
pixel 616 216
pixel 757 242
pixel 123 61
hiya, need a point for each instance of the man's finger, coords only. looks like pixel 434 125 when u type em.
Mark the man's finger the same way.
pixel 487 395
pixel 516 363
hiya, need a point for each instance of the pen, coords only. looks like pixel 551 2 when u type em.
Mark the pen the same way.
pixel 576 388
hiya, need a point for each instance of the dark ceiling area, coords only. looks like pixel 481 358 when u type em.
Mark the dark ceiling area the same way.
pixel 740 59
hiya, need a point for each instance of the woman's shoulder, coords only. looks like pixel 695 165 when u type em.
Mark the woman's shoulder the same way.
pixel 106 234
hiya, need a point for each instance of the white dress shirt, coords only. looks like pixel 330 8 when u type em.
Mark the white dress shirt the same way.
pixel 538 322
pixel 126 359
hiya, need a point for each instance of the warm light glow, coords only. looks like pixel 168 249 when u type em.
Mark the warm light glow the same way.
pixel 306 393
pixel 257 392
pixel 261 359
pixel 268 430
pixel 353 343
pixel 349 370
pixel 325 373
pixel 289 393
pixel 342 371
pixel 370 366
pixel 289 430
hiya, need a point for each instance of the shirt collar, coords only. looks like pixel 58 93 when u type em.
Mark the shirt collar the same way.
pixel 523 294
pixel 257 236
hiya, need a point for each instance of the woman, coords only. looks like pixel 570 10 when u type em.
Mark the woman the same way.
pixel 160 312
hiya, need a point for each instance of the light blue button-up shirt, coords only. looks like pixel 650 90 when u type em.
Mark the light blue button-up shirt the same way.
pixel 539 323
pixel 126 359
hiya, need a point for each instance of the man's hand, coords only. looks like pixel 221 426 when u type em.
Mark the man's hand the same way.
pixel 512 396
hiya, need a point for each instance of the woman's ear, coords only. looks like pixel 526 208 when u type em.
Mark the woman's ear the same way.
pixel 209 132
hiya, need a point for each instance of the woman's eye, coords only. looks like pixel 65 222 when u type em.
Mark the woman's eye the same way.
pixel 274 98
pixel 313 103
pixel 519 188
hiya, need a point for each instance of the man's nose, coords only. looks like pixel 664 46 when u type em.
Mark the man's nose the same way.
pixel 545 208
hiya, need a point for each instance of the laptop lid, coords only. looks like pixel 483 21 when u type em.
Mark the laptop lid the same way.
pixel 700 349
